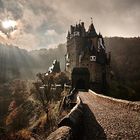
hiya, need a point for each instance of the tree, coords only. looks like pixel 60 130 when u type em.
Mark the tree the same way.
pixel 61 78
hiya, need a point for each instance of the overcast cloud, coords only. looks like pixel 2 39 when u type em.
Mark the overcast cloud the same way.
pixel 44 23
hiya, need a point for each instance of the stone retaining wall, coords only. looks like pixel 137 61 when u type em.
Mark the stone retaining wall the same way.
pixel 134 106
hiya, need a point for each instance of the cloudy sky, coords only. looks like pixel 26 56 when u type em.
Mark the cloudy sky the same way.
pixel 44 23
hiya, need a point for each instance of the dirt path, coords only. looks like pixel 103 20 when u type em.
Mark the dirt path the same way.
pixel 104 120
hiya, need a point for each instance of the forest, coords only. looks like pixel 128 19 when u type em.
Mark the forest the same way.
pixel 125 66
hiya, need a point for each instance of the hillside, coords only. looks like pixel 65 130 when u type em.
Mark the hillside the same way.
pixel 125 65
pixel 125 56
pixel 19 63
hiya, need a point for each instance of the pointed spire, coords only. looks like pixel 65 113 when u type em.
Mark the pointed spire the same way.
pixel 79 25
pixel 91 20
pixel 91 30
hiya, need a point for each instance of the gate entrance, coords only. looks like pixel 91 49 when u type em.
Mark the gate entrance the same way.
pixel 80 84
pixel 80 78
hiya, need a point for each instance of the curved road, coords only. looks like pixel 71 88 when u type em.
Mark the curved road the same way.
pixel 106 120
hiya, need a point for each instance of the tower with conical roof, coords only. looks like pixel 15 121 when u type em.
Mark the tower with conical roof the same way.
pixel 87 49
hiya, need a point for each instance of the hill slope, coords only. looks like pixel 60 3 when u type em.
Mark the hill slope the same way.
pixel 125 65
pixel 19 63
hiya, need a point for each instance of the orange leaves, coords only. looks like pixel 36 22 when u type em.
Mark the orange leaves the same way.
pixel 11 116
pixel 24 133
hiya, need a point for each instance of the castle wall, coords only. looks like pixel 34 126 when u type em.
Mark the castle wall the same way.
pixel 94 69
pixel 74 47
pixel 95 42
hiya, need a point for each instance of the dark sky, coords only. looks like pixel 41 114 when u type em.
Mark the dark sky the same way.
pixel 44 23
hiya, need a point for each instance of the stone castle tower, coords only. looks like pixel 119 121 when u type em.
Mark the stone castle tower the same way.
pixel 87 49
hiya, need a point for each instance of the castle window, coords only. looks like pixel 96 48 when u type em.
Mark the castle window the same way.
pixel 93 58
pixel 76 34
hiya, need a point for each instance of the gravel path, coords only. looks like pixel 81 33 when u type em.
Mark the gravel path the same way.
pixel 104 120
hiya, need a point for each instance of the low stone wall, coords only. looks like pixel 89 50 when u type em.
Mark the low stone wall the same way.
pixel 71 125
pixel 134 106
pixel 74 117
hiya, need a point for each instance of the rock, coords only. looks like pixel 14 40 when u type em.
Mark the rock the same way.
pixel 62 133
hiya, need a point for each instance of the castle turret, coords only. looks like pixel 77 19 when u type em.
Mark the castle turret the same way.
pixel 83 31
pixel 71 29
pixel 68 35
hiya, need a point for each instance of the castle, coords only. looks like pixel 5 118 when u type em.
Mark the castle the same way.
pixel 86 49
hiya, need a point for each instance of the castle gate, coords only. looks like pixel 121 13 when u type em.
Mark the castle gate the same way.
pixel 80 78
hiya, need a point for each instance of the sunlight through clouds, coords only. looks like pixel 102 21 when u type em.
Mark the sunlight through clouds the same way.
pixel 45 22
